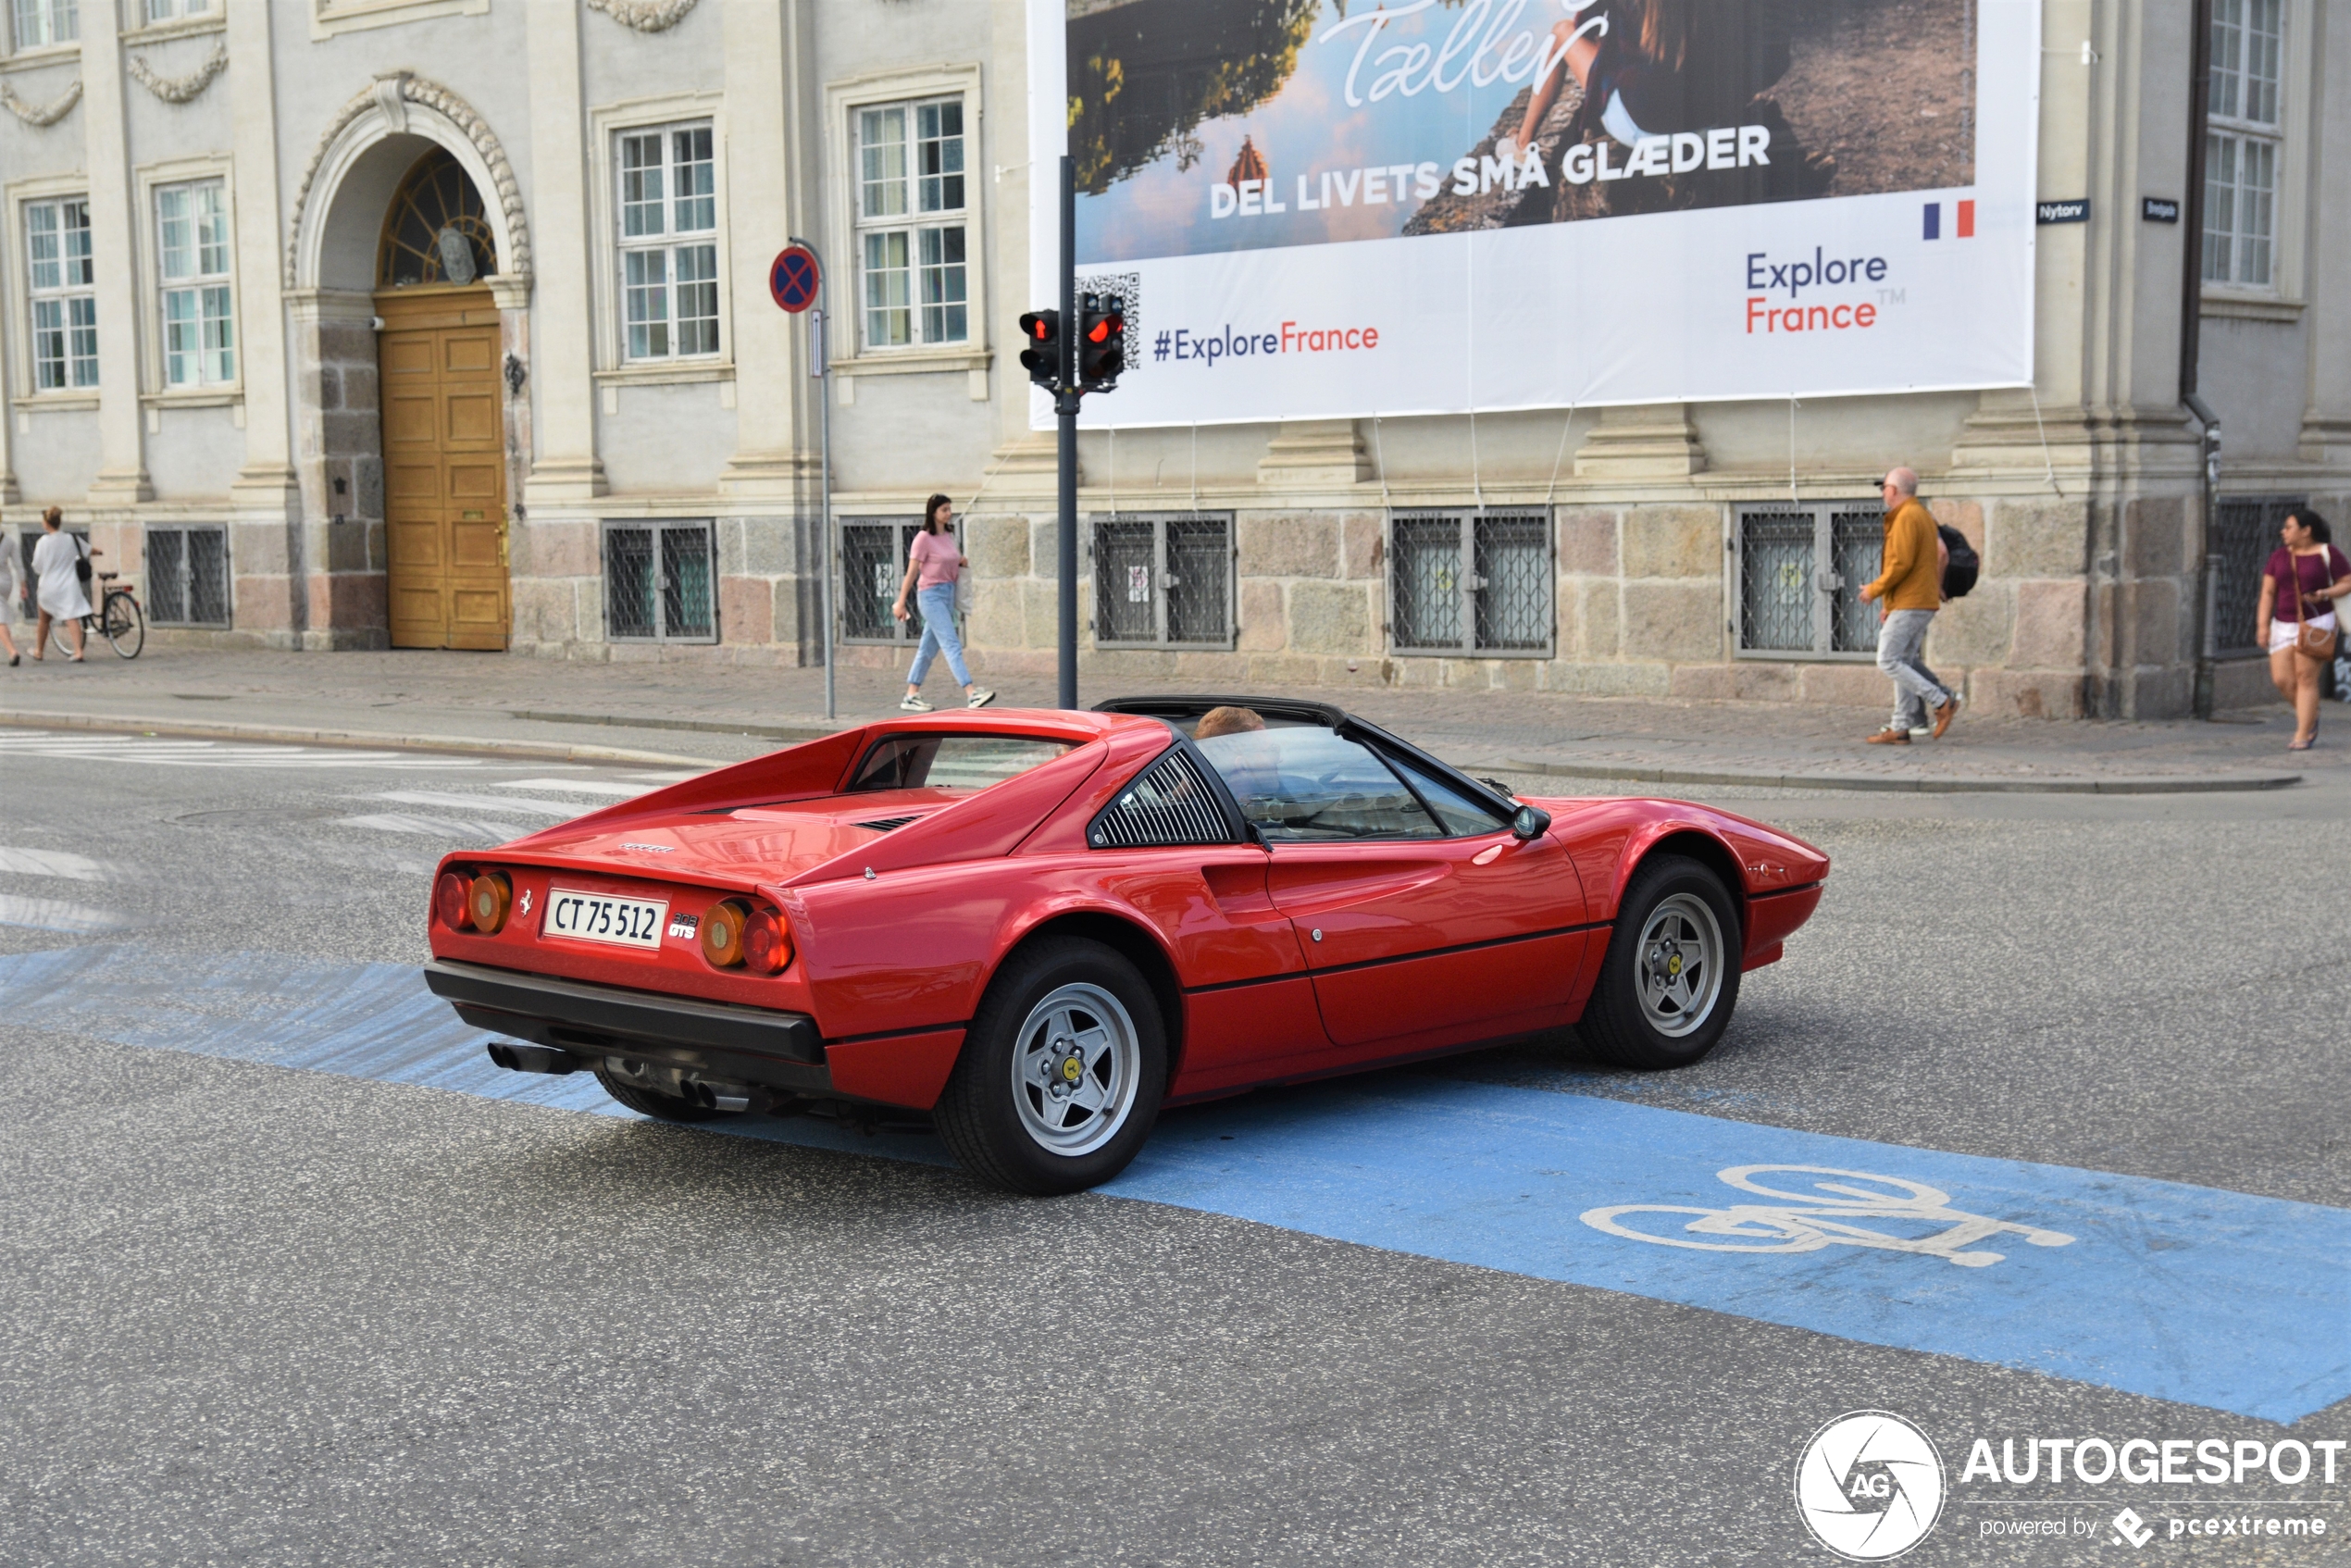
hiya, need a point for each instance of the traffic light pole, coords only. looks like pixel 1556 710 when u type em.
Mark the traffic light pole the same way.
pixel 1066 408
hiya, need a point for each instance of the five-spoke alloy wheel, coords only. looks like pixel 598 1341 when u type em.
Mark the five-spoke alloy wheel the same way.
pixel 1062 1074
pixel 1671 975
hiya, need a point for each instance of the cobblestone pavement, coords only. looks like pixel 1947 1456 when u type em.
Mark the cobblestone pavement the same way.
pixel 723 712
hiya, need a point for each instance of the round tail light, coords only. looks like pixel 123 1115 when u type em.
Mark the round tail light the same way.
pixel 722 933
pixel 450 898
pixel 488 898
pixel 767 943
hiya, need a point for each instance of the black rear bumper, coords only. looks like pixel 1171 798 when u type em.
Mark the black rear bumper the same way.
pixel 709 1039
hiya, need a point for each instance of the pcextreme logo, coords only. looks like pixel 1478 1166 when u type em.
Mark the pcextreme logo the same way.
pixel 1869 1486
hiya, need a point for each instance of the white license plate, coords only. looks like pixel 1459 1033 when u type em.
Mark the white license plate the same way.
pixel 599 918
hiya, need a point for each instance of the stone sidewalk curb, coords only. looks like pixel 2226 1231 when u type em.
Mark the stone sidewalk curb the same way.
pixel 540 751
pixel 1624 772
pixel 1922 783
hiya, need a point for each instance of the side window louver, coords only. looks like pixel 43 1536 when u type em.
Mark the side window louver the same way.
pixel 1172 803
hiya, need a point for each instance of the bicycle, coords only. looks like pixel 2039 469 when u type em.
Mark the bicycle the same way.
pixel 118 617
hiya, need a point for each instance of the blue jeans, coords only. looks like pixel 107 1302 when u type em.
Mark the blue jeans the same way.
pixel 1902 653
pixel 937 605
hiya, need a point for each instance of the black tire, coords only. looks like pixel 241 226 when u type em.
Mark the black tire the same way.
pixel 1000 1125
pixel 1685 1011
pixel 654 1102
pixel 125 624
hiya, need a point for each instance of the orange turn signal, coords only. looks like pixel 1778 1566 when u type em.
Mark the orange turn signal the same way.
pixel 488 899
pixel 722 933
pixel 450 898
pixel 767 943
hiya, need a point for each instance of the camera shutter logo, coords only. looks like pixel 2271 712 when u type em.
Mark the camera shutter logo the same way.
pixel 1869 1486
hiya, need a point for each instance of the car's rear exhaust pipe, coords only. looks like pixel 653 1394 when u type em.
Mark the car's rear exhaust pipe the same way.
pixel 516 1057
pixel 748 1100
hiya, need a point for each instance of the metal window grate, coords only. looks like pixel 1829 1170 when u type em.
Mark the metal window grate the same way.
pixel 1199 578
pixel 1171 803
pixel 1800 570
pixel 1857 553
pixel 188 576
pixel 2245 530
pixel 1126 573
pixel 1471 582
pixel 1163 579
pixel 661 582
pixel 1427 608
pixel 1775 580
pixel 872 554
pixel 1512 562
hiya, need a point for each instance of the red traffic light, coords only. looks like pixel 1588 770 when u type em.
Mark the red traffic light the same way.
pixel 1043 360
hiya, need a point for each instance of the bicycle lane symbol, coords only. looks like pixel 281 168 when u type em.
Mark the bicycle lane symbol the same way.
pixel 1831 1214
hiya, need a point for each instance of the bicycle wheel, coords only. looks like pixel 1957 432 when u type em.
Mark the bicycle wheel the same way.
pixel 125 624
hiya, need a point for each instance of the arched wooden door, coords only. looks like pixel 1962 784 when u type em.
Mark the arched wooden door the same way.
pixel 443 417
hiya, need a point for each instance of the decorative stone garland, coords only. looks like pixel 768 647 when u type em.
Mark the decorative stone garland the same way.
pixel 56 109
pixel 387 93
pixel 645 15
pixel 178 89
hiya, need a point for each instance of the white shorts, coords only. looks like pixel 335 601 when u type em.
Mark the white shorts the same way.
pixel 2283 633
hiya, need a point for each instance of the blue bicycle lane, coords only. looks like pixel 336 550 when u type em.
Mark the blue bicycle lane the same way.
pixel 2189 1294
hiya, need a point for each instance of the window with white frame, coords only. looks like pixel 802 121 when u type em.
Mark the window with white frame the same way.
pixel 45 21
pixel 2243 151
pixel 912 225
pixel 669 242
pixel 64 302
pixel 177 10
pixel 199 315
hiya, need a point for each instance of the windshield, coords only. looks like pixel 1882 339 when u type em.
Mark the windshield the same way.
pixel 950 762
pixel 1307 783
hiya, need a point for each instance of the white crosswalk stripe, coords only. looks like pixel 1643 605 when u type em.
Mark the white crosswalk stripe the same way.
pixel 53 863
pixel 594 787
pixel 486 803
pixel 483 833
pixel 56 914
pixel 159 751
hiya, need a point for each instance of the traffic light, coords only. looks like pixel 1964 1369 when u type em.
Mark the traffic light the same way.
pixel 1043 357
pixel 1101 342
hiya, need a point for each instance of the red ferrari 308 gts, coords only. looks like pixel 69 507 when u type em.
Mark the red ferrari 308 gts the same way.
pixel 1042 926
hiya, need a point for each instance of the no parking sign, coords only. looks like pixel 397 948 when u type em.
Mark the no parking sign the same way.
pixel 793 278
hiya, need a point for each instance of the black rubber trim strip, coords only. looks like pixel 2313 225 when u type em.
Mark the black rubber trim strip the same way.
pixel 1401 958
pixel 900 1033
pixel 615 1011
pixel 1783 892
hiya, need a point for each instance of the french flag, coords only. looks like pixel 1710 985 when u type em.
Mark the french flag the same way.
pixel 1965 226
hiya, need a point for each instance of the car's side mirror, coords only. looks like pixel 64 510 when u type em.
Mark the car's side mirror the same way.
pixel 1528 822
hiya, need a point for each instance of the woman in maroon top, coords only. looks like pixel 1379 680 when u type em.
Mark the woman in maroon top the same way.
pixel 2304 579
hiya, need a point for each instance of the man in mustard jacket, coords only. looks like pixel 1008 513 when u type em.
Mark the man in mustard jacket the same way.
pixel 1912 587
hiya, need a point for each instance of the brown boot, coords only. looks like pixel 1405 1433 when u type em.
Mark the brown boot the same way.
pixel 1946 714
pixel 1889 736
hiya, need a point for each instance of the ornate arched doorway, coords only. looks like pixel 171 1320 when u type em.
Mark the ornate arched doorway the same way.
pixel 443 416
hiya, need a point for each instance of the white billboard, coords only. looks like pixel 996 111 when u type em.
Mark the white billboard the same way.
pixel 1329 208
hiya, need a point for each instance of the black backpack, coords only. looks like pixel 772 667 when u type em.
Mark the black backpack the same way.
pixel 1959 574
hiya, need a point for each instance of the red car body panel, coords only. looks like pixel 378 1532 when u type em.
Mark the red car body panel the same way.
pixel 1279 963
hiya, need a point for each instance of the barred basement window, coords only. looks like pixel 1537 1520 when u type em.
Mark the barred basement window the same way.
pixel 2245 530
pixel 188 576
pixel 660 582
pixel 1171 803
pixel 1163 581
pixel 1470 582
pixel 873 553
pixel 1800 571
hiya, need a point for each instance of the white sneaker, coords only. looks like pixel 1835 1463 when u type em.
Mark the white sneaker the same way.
pixel 980 699
pixel 914 704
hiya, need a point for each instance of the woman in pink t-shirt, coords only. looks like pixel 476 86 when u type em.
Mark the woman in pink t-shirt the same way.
pixel 2304 578
pixel 932 565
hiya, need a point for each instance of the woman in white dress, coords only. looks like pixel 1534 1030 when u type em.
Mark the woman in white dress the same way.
pixel 58 585
pixel 11 591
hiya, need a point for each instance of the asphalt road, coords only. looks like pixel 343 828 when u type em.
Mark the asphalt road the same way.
pixel 259 1314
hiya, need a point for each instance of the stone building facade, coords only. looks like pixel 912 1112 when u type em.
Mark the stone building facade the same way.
pixel 341 323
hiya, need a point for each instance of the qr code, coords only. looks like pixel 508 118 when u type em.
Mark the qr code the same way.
pixel 1128 286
